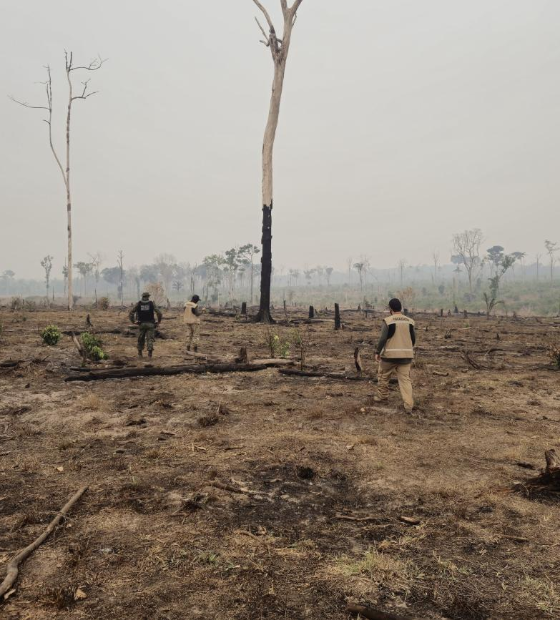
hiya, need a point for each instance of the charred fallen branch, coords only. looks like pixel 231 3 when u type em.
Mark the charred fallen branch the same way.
pixel 12 569
pixel 151 371
pixel 371 614
pixel 326 375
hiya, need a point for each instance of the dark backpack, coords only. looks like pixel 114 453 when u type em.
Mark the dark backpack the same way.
pixel 146 312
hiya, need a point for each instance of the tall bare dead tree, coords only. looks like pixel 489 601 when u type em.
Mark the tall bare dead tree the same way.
pixel 466 246
pixel 435 258
pixel 46 264
pixel 94 65
pixel 120 263
pixel 279 49
pixel 551 248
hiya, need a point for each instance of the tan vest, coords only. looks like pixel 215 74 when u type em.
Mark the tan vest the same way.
pixel 400 345
pixel 189 317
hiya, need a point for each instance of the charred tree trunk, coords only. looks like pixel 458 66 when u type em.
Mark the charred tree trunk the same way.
pixel 279 49
pixel 311 312
pixel 337 323
pixel 264 315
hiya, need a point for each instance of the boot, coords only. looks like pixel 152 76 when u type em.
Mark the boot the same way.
pixel 150 353
pixel 140 354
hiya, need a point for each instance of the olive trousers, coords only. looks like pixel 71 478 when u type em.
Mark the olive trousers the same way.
pixel 146 332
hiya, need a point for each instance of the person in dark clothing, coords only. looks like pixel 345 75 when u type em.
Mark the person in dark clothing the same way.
pixel 144 315
pixel 395 352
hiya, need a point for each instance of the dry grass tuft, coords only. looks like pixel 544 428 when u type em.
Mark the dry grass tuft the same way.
pixel 380 568
pixel 92 402
pixel 540 592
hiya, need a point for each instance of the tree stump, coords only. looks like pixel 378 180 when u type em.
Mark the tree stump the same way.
pixel 547 482
pixel 244 308
pixel 358 360
pixel 337 323
pixel 441 313
pixel 243 357
pixel 311 312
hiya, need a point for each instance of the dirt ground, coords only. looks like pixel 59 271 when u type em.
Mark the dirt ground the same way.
pixel 257 495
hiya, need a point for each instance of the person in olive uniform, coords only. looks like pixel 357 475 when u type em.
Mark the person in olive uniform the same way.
pixel 144 315
pixel 395 352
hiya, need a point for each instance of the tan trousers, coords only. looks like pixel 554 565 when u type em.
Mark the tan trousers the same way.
pixel 402 371
pixel 193 329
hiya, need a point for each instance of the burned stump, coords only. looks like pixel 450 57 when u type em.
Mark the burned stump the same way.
pixel 547 483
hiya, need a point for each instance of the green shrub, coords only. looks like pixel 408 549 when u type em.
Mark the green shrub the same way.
pixel 51 335
pixel 97 354
pixel 276 345
pixel 92 345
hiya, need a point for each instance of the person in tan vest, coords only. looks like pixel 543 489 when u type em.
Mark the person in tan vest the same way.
pixel 191 318
pixel 395 352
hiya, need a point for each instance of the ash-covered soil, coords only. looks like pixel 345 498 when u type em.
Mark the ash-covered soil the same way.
pixel 257 495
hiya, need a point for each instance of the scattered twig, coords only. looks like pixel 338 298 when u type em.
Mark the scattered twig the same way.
pixel 356 519
pixel 12 568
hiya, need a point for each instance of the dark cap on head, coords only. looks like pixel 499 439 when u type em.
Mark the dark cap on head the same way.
pixel 395 305
pixel 195 299
pixel 145 295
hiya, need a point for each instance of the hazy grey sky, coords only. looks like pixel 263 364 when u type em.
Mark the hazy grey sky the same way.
pixel 403 121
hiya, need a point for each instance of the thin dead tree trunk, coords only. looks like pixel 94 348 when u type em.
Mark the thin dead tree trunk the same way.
pixel 120 260
pixel 65 171
pixel 279 49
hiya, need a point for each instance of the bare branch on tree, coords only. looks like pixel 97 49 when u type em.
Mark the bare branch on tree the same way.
pixel 266 15
pixel 266 41
pixel 84 95
pixel 27 105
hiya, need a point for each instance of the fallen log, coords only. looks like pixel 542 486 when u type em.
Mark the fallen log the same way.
pixel 325 375
pixel 243 359
pixel 372 614
pixel 11 363
pixel 79 332
pixel 203 357
pixel 12 569
pixel 150 371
